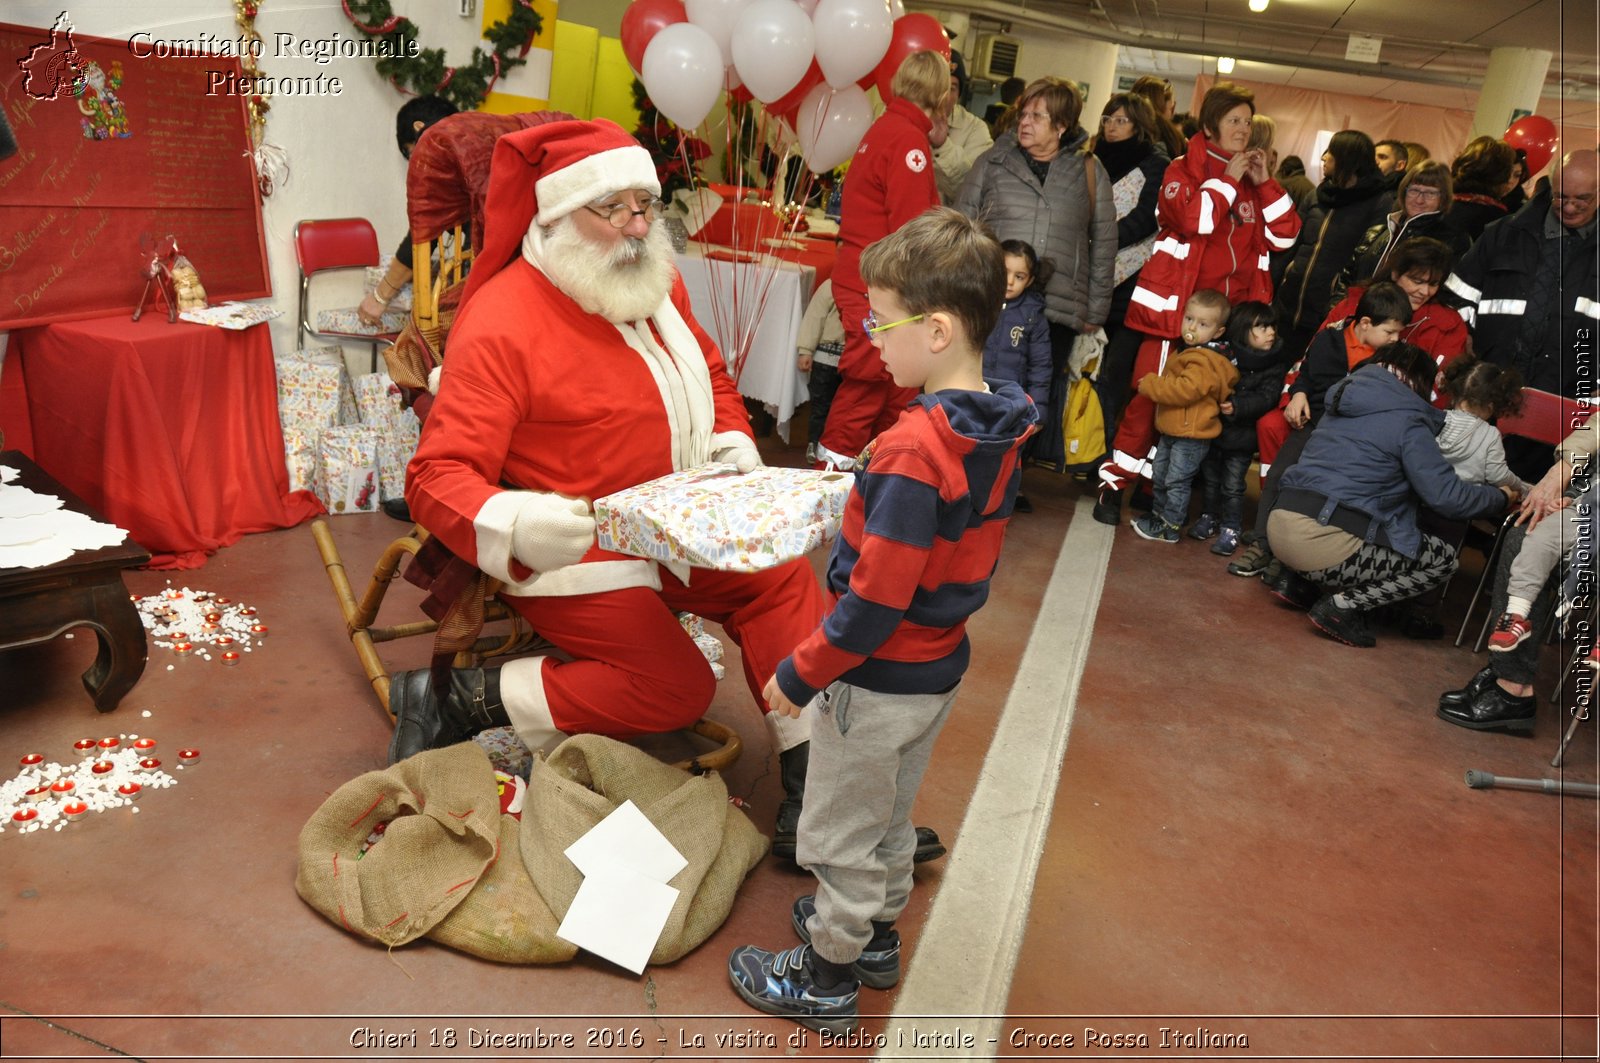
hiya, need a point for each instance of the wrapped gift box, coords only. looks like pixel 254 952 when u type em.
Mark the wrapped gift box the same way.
pixel 378 399
pixel 300 453
pixel 348 321
pixel 349 458
pixel 314 390
pixel 716 517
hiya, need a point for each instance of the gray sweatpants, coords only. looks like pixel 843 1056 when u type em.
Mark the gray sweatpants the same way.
pixel 868 753
pixel 1542 550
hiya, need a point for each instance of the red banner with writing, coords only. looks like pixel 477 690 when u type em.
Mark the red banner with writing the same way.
pixel 117 147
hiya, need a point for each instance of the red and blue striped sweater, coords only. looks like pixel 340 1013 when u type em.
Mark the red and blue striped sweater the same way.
pixel 921 539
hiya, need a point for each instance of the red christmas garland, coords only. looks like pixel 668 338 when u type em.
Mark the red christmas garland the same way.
pixel 424 71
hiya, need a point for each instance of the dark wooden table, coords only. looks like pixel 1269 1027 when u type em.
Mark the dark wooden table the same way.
pixel 84 590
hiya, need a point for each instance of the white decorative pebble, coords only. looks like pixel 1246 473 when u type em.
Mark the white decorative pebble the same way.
pixel 146 712
pixel 67 635
pixel 136 810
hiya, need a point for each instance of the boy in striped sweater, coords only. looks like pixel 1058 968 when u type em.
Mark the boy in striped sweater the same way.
pixel 921 539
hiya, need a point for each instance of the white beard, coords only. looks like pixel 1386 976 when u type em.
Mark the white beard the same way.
pixel 628 283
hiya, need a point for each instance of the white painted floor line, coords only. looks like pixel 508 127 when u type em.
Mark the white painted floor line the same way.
pixel 968 948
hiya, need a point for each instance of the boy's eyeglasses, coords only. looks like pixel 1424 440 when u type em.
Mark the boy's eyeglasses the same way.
pixel 870 324
pixel 620 214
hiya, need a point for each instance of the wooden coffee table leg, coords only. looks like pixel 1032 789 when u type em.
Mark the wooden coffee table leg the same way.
pixel 123 649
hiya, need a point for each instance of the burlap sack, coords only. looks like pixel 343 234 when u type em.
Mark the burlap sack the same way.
pixel 504 918
pixel 586 778
pixel 443 816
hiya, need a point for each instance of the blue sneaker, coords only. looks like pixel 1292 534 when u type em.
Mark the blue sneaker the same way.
pixel 1227 542
pixel 784 984
pixel 877 968
pixel 1149 526
pixel 1204 528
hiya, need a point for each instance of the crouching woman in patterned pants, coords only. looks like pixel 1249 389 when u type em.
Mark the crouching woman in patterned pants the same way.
pixel 1346 516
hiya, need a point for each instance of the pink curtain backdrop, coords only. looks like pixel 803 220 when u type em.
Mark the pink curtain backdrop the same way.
pixel 1299 113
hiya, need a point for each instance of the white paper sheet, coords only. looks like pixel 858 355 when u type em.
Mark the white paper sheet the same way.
pixel 45 538
pixel 627 841
pixel 7 474
pixel 21 502
pixel 619 915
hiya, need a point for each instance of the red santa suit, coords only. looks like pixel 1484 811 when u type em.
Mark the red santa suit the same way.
pixel 891 181
pixel 543 407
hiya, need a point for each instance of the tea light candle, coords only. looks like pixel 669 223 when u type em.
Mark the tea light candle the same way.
pixel 135 597
pixel 230 657
pixel 247 610
pixel 258 630
pixel 183 648
pixel 224 601
pixel 103 767
pixel 38 793
pixel 213 618
pixel 178 636
pixel 62 787
pixel 150 764
pixel 84 746
pixel 30 760
pixel 224 641
pixel 144 746
pixel 173 595
pixel 129 789
pixel 74 809
pixel 208 628
pixel 109 744
pixel 188 756
pixel 25 815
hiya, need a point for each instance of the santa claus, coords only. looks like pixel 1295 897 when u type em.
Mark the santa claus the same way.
pixel 575 370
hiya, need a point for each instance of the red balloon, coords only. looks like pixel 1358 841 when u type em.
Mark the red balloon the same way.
pixel 1536 135
pixel 786 105
pixel 642 21
pixel 912 33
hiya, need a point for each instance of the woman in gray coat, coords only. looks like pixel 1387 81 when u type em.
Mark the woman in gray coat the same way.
pixel 1035 185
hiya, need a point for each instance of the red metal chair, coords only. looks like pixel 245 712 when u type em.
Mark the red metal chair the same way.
pixel 1544 418
pixel 330 244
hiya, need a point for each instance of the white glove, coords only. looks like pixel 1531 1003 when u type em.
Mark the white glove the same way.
pixel 552 532
pixel 739 450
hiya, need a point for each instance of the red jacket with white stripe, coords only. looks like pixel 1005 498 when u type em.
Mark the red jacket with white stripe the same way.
pixel 1215 233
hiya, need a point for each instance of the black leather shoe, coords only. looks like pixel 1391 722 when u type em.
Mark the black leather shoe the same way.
pixel 1108 507
pixel 1493 710
pixel 1293 589
pixel 396 508
pixel 1458 699
pixel 929 847
pixel 422 721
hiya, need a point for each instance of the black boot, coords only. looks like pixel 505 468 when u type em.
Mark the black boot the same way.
pixel 792 765
pixel 1495 709
pixel 396 508
pixel 1108 507
pixel 1457 699
pixel 422 721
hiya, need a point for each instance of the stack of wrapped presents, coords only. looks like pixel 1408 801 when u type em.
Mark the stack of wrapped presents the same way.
pixel 346 440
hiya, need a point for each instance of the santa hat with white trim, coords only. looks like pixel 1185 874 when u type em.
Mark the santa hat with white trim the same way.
pixel 548 171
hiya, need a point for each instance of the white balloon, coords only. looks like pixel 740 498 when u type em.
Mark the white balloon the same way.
pixel 717 17
pixel 831 123
pixel 896 9
pixel 682 72
pixel 852 37
pixel 808 6
pixel 772 47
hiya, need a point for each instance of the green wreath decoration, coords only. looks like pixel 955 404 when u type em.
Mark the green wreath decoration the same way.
pixel 427 73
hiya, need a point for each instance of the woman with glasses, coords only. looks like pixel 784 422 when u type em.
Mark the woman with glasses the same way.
pixel 892 180
pixel 1039 184
pixel 1423 198
pixel 1129 146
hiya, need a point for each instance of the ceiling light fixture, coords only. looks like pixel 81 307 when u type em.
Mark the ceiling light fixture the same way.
pixel 1224 64
pixel 1258 6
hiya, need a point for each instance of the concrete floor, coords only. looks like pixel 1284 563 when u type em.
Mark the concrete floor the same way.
pixel 1257 835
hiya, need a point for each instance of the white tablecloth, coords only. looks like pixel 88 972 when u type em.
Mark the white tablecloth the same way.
pixel 754 307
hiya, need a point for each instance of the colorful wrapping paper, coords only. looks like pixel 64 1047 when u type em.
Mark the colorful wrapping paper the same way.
pixel 716 517
pixel 379 402
pixel 314 390
pixel 300 454
pixel 347 321
pixel 349 481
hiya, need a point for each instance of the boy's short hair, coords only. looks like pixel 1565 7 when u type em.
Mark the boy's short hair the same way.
pixel 923 79
pixel 424 109
pixel 942 260
pixel 1211 299
pixel 1382 302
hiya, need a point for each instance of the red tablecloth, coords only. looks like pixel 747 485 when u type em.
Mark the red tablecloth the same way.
pixel 169 430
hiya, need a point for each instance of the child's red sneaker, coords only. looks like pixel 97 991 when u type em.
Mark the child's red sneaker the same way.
pixel 1510 631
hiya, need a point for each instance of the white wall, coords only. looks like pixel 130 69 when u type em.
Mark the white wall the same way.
pixel 342 154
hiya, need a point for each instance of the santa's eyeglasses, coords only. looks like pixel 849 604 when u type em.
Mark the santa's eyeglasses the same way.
pixel 620 214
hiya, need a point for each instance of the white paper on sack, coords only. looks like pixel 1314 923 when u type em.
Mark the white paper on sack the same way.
pixel 624 902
